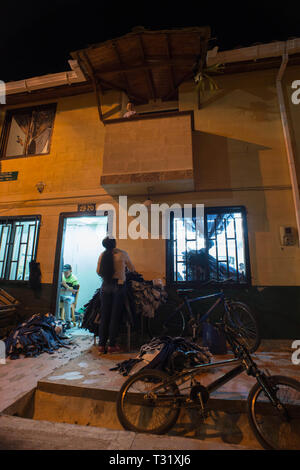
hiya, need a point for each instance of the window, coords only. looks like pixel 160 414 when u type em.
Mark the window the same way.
pixel 28 131
pixel 18 242
pixel 220 253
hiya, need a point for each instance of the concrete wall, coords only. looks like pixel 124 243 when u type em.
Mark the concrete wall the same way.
pixel 240 158
pixel 143 145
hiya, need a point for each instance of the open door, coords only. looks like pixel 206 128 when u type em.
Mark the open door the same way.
pixel 81 245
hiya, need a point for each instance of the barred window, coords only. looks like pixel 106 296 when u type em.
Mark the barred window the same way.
pixel 18 243
pixel 220 253
pixel 27 131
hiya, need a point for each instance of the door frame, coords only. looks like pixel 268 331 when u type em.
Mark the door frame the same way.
pixel 58 250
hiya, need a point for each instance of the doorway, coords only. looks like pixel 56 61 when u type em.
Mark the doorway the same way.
pixel 81 245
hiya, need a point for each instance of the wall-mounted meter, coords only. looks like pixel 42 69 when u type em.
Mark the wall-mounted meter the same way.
pixel 287 236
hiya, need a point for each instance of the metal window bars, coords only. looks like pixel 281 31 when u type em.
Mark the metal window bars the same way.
pixel 219 256
pixel 18 242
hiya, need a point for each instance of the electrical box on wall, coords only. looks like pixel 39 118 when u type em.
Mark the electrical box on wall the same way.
pixel 287 236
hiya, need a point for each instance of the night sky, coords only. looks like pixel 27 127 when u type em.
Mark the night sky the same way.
pixel 36 37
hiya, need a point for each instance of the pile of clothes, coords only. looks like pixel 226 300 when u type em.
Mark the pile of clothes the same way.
pixel 147 297
pixel 91 316
pixel 38 334
pixel 141 298
pixel 167 354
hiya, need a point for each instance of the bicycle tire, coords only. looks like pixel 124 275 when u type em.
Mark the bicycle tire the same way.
pixel 243 321
pixel 166 323
pixel 139 414
pixel 269 428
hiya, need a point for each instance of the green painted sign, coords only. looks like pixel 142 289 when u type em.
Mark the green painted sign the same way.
pixel 9 176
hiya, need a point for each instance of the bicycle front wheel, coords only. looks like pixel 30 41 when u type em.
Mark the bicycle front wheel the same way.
pixel 240 318
pixel 147 404
pixel 167 323
pixel 276 429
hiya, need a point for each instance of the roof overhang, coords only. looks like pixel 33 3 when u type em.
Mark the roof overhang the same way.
pixel 146 65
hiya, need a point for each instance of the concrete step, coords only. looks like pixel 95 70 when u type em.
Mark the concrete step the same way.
pixel 227 422
pixel 26 434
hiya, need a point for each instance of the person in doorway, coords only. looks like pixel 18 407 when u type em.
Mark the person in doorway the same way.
pixel 111 267
pixel 130 110
pixel 69 288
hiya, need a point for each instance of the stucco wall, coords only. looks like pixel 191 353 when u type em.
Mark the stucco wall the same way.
pixel 239 159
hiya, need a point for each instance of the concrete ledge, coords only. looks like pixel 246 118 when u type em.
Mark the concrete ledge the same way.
pixel 25 434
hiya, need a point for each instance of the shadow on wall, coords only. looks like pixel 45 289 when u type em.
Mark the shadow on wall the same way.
pixel 222 163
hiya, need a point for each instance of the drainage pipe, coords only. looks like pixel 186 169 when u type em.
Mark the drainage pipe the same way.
pixel 288 140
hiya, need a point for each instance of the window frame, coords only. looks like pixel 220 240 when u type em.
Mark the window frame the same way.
pixel 37 218
pixel 7 126
pixel 197 283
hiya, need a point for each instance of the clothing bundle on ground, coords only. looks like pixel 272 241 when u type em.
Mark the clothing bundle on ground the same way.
pixel 167 354
pixel 33 337
pixel 141 298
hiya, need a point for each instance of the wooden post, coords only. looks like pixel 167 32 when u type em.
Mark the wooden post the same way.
pixel 96 85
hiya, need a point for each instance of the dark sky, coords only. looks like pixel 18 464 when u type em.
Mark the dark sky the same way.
pixel 37 36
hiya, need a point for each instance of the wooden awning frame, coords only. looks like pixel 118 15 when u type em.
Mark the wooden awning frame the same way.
pixel 116 63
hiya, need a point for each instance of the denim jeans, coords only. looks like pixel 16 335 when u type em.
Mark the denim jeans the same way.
pixel 67 299
pixel 112 304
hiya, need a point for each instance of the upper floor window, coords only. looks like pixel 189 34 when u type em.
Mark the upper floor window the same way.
pixel 18 243
pixel 27 131
pixel 220 253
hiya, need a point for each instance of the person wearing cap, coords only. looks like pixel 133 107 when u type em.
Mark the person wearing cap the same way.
pixel 69 288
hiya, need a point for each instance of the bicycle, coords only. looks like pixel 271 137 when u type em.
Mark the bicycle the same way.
pixel 150 400
pixel 234 313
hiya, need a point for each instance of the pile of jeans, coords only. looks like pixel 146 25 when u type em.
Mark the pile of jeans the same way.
pixel 33 337
pixel 91 316
pixel 167 354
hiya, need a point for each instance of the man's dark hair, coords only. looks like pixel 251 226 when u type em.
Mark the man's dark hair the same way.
pixel 107 269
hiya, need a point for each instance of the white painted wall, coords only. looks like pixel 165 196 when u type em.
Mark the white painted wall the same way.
pixel 82 247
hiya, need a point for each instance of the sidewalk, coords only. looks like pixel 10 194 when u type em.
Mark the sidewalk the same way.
pixel 82 377
pixel 22 375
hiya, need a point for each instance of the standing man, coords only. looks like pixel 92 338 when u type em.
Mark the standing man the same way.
pixel 69 288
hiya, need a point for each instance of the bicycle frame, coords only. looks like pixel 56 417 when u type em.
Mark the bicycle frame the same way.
pixel 243 362
pixel 188 374
pixel 219 296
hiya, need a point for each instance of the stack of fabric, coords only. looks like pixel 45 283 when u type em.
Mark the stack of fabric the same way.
pixel 147 297
pixel 92 314
pixel 36 335
pixel 141 298
pixel 167 354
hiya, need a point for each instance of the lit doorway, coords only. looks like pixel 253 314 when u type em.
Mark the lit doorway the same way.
pixel 81 245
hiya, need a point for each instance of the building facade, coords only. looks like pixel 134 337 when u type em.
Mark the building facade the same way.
pixel 226 149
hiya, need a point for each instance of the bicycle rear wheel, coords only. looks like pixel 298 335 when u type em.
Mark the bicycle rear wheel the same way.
pixel 240 318
pixel 146 404
pixel 275 430
pixel 167 323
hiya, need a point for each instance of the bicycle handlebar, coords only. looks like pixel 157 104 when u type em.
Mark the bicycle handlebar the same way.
pixel 211 281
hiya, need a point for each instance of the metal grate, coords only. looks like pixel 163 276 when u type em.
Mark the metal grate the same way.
pixel 219 253
pixel 18 241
